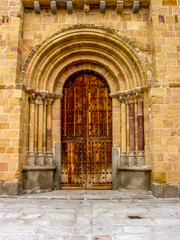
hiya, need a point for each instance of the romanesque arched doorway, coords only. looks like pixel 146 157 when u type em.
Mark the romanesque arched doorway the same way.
pixel 86 132
pixel 104 52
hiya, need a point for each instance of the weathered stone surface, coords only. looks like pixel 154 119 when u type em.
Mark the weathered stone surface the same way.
pixel 165 191
pixel 38 178
pixel 40 216
pixel 134 178
pixel 171 191
pixel 115 160
pixel 9 188
pixel 57 159
pixel 157 190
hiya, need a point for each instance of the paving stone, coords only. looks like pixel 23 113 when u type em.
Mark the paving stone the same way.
pixel 12 215
pixel 166 236
pixel 21 237
pixel 61 223
pixel 140 222
pixel 11 222
pixel 166 228
pixel 56 219
pixel 54 230
pixel 82 220
pixel 31 216
pixel 175 221
pixel 39 222
pixel 82 229
pixel 107 230
pixel 18 229
pixel 63 217
pixel 132 237
pixel 79 238
pixel 102 237
pixel 53 237
pixel 136 229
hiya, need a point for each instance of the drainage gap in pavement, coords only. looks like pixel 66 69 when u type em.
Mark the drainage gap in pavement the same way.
pixel 134 217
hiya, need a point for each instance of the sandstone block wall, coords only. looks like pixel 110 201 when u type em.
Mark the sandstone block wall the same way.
pixel 165 94
pixel 12 130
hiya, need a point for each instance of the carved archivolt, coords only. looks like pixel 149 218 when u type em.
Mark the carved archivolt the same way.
pixel 85 43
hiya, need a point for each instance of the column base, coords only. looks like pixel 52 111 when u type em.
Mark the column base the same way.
pixel 10 188
pixel 140 159
pixel 40 159
pixel 132 159
pixel 123 159
pixel 115 160
pixel 135 178
pixel 49 158
pixel 38 178
pixel 31 159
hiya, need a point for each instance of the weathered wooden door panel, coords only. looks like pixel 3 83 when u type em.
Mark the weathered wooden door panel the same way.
pixel 86 110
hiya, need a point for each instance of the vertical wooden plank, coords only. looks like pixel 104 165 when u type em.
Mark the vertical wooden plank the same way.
pixel 107 114
pixel 98 108
pixel 106 159
pixel 74 112
pixel 65 92
pixel 86 79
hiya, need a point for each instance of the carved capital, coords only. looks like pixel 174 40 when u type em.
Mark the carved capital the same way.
pixel 131 98
pixel 122 99
pixel 39 101
pixel 50 101
pixel 131 95
pixel 32 99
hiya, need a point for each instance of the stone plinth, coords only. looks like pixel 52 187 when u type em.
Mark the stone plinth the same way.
pixel 9 188
pixel 135 177
pixel 38 178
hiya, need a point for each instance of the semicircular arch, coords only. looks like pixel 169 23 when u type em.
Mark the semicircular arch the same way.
pixel 98 45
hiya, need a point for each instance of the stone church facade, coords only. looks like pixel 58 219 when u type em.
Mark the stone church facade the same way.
pixel 90 95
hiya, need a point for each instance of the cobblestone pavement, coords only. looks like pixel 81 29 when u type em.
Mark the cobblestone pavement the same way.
pixel 82 215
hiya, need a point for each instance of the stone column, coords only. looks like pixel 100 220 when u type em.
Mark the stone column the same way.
pixel 44 128
pixel 132 154
pixel 49 155
pixel 31 153
pixel 140 155
pixel 36 128
pixel 136 126
pixel 40 155
pixel 123 156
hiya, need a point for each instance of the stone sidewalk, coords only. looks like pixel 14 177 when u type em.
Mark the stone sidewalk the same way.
pixel 87 215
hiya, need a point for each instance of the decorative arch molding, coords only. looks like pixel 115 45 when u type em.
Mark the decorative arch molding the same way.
pixel 89 44
pixel 84 66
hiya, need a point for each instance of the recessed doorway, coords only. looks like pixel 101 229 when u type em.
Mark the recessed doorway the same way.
pixel 86 132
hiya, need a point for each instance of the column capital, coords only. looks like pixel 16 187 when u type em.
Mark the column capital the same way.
pixel 49 101
pixel 32 99
pixel 40 101
pixel 122 99
pixel 131 95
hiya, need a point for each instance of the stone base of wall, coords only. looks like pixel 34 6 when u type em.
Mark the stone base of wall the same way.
pixel 135 177
pixel 36 179
pixel 165 191
pixel 9 188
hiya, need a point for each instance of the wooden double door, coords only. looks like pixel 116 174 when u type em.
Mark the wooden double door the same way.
pixel 86 128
